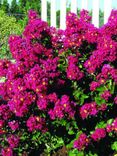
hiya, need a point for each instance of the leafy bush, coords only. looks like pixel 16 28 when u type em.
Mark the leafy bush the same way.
pixel 61 89
pixel 8 26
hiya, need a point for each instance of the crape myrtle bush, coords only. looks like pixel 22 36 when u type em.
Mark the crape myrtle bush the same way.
pixel 61 89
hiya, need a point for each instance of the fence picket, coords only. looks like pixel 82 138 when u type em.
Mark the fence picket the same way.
pixel 53 13
pixel 95 11
pixel 62 14
pixel 44 10
pixel 107 9
pixel 74 6
pixel 84 4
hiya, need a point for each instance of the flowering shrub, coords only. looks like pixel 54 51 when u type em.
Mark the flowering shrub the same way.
pixel 61 89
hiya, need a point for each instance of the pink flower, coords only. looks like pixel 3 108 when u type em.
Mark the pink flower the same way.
pixel 114 125
pixel 13 141
pixel 109 128
pixel 53 97
pixel 81 142
pixel 32 15
pixel 94 85
pixel 106 95
pixel 98 134
pixel 62 107
pixel 5 113
pixel 88 109
pixel 14 125
pixel 7 151
pixel 115 100
pixel 73 72
pixel 103 107
pixel 1 123
pixel 42 103
pixel 36 123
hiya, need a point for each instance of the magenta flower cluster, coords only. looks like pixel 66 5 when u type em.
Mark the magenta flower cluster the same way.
pixel 91 109
pixel 81 142
pixel 63 107
pixel 73 71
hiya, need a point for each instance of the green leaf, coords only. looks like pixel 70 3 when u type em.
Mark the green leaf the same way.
pixel 36 136
pixel 101 89
pixel 114 146
pixel 75 152
pixel 83 97
pixel 80 66
pixel 80 96
pixel 112 88
pixel 101 124
pixel 90 154
pixel 110 121
pixel 99 100
pixel 2 79
pixel 70 145
pixel 54 143
pixel 74 123
pixel 63 122
pixel 70 132
pixel 77 94
pixel 110 134
pixel 77 135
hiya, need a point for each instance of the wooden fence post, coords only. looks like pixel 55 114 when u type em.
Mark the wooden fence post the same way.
pixel 74 6
pixel 53 13
pixel 44 10
pixel 62 14
pixel 95 11
pixel 84 4
pixel 107 9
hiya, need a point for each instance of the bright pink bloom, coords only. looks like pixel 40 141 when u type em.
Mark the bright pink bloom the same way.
pixel 98 134
pixel 7 151
pixel 81 142
pixel 13 141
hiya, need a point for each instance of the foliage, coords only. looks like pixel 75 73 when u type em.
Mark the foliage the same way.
pixel 8 26
pixel 5 6
pixel 14 7
pixel 23 6
pixel 61 89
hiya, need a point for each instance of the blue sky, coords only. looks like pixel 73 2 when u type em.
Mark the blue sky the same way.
pixel 9 1
pixel 114 3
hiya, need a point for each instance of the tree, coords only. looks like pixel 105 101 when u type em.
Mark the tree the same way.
pixel 14 7
pixel 33 4
pixel 22 5
pixel 0 3
pixel 5 6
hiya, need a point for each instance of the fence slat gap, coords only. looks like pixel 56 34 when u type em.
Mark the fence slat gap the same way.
pixel 62 14
pixel 44 10
pixel 107 9
pixel 74 6
pixel 95 11
pixel 53 13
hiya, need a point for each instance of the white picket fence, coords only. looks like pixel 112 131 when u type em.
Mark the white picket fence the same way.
pixel 74 6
